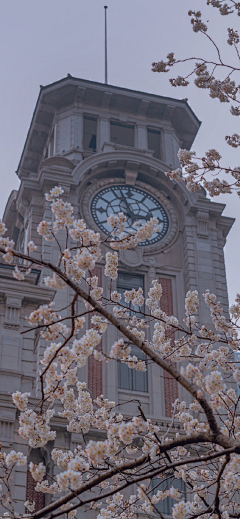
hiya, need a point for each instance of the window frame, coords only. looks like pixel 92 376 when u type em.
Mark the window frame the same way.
pixel 132 374
pixel 158 131
pixel 122 124
pixel 90 117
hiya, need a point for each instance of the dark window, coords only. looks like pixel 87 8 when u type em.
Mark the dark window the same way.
pixel 154 137
pixel 89 133
pixel 51 145
pixel 122 133
pixel 22 242
pixel 21 245
pixel 130 378
pixel 15 235
pixel 165 506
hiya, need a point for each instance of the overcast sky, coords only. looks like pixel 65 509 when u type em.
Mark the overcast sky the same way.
pixel 42 42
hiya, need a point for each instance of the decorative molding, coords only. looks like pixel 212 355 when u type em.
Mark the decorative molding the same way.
pixel 132 257
pixel 57 161
pixel 12 312
pixel 142 110
pixel 6 432
pixel 106 99
pixel 202 224
pixel 122 155
pixel 11 326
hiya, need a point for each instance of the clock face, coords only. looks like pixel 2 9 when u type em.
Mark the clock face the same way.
pixel 136 204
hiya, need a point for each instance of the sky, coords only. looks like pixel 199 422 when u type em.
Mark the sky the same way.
pixel 41 42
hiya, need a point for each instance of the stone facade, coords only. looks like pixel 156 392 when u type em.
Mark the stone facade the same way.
pixel 85 136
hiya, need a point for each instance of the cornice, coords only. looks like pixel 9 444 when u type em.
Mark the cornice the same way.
pixel 11 200
pixel 10 286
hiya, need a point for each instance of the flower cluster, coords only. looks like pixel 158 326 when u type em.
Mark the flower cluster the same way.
pixel 96 451
pixel 37 471
pixel 117 222
pixel 154 295
pixel 134 296
pixel 20 400
pixel 111 265
pixel 35 427
pixel 233 140
pixel 119 350
pixel 15 458
pixel 83 347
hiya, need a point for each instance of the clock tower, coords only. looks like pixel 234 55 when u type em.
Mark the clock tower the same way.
pixel 109 148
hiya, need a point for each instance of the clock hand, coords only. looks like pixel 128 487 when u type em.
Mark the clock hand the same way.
pixel 124 200
pixel 141 217
pixel 127 204
pixel 120 197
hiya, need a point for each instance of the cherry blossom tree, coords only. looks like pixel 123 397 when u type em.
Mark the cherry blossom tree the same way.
pixel 205 453
pixel 221 80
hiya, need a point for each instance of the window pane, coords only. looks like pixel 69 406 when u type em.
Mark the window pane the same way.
pixel 165 506
pixel 89 133
pixel 140 378
pixel 130 378
pixel 154 142
pixel 124 376
pixel 140 382
pixel 121 133
pixel 127 282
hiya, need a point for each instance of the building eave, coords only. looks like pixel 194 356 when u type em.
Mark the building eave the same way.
pixel 70 90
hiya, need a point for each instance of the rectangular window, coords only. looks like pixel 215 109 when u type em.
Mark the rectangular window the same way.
pixel 89 133
pixel 122 133
pixel 130 378
pixel 165 506
pixel 127 282
pixel 154 137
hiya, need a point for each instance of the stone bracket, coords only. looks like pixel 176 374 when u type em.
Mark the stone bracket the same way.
pixel 12 312
pixel 202 224
pixel 131 177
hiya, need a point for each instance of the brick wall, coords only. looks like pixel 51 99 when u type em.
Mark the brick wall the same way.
pixel 32 495
pixel 94 366
pixel 170 384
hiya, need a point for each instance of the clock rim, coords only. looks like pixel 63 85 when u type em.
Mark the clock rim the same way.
pixel 133 187
pixel 87 195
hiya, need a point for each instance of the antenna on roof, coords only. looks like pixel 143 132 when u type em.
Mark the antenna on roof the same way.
pixel 106 71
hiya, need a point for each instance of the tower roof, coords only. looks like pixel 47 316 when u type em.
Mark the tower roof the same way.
pixel 81 92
